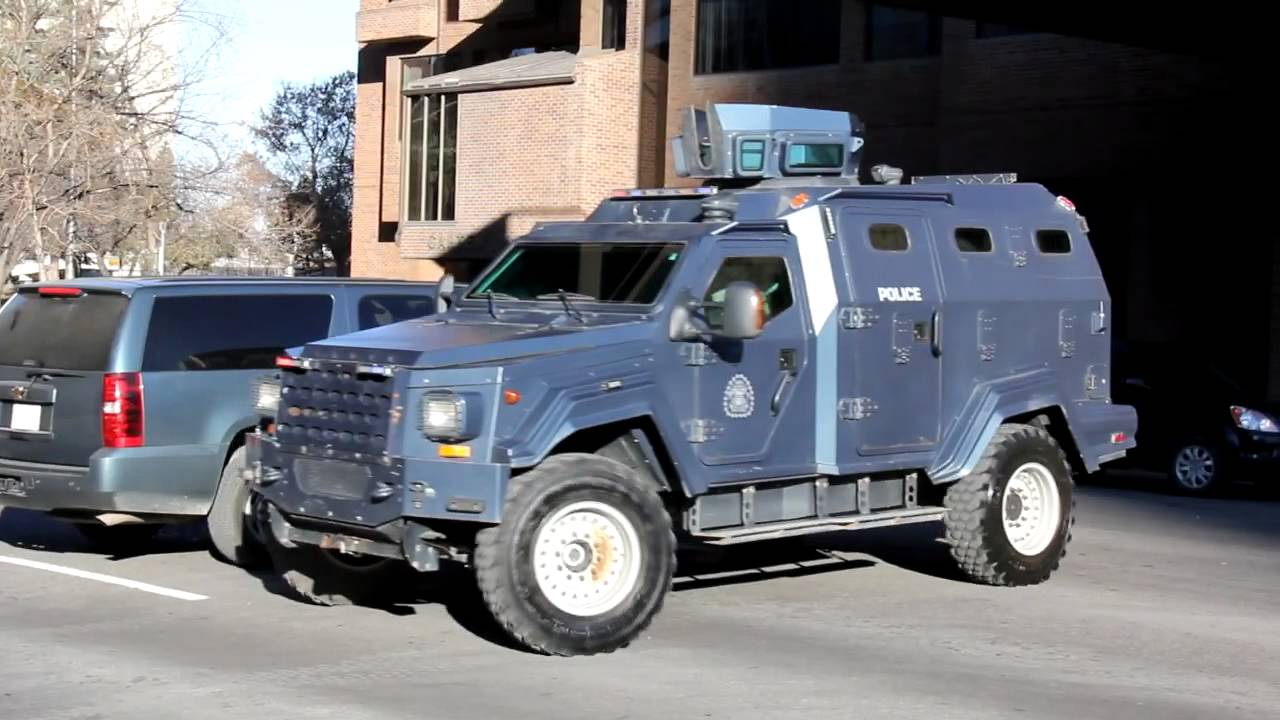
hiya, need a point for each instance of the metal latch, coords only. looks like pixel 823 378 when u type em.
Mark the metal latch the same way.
pixel 857 408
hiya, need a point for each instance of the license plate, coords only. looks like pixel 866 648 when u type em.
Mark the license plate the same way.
pixel 25 417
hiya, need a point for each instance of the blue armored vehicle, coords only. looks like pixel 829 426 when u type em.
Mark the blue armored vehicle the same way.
pixel 782 350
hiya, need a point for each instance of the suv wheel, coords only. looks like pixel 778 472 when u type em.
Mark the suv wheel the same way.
pixel 234 521
pixel 1009 521
pixel 583 558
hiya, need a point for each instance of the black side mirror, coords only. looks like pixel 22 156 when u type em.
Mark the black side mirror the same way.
pixel 741 314
pixel 444 293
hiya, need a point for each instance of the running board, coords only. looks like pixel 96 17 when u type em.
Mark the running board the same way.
pixel 905 516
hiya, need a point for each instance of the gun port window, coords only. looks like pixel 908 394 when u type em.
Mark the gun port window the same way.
pixel 587 272
pixel 888 237
pixel 973 240
pixel 431 149
pixel 768 274
pixel 741 35
pixel 751 156
pixel 1053 242
pixel 815 156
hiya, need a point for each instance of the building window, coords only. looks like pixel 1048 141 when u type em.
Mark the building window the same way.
pixel 895 33
pixel 614 22
pixel 739 35
pixel 430 158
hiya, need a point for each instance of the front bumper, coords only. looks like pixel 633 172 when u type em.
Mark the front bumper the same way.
pixel 172 481
pixel 373 491
pixel 1254 448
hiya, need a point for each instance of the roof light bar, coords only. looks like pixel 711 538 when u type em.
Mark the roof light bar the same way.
pixel 665 192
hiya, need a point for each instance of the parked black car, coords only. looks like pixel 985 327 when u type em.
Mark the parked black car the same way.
pixel 1195 422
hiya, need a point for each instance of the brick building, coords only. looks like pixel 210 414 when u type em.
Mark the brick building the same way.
pixel 478 118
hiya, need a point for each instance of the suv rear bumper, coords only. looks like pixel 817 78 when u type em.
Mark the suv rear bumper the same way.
pixel 148 481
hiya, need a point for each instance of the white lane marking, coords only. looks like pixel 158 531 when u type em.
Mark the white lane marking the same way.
pixel 110 580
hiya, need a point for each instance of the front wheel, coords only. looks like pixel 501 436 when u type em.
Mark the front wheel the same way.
pixel 1009 521
pixel 583 559
pixel 1195 468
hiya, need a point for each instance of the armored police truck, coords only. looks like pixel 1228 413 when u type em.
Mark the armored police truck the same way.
pixel 781 350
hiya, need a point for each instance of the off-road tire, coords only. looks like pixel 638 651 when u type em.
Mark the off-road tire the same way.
pixel 227 520
pixel 319 576
pixel 974 518
pixel 504 556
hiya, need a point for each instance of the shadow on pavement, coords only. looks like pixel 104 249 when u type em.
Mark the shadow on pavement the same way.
pixel 32 530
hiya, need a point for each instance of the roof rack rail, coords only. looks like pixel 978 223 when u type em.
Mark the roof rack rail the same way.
pixel 966 179
pixel 742 226
pixel 854 193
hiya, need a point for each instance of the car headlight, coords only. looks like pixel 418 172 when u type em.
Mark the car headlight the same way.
pixel 445 416
pixel 1253 420
pixel 266 396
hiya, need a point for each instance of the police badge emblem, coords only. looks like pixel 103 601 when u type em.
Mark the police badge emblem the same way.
pixel 739 397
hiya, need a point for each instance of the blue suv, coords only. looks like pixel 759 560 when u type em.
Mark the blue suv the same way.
pixel 124 402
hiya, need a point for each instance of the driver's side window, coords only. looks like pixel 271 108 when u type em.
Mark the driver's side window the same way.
pixel 768 274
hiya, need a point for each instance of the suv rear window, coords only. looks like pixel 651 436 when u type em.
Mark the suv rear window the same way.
pixel 378 310
pixel 60 333
pixel 231 332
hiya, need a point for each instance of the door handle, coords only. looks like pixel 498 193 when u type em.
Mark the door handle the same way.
pixel 777 394
pixel 935 333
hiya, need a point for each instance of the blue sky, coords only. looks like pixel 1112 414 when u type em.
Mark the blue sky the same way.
pixel 267 42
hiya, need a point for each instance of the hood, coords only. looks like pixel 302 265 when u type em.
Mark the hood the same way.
pixel 466 339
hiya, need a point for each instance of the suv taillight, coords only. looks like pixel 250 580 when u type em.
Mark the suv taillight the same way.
pixel 122 410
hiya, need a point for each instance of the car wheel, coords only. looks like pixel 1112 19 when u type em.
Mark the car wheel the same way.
pixel 1009 521
pixel 582 560
pixel 235 521
pixel 1195 468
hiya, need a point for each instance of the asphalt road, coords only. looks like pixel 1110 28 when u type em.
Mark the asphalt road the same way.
pixel 1165 608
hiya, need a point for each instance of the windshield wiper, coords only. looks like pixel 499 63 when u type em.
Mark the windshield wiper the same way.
pixel 563 297
pixel 501 296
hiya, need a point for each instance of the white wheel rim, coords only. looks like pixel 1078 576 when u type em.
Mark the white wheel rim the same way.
pixel 1194 467
pixel 587 558
pixel 1031 509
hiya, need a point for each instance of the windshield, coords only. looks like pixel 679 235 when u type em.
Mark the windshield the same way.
pixel 593 272
pixel 64 333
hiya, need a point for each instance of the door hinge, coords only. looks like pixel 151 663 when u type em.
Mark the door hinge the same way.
pixel 986 335
pixel 857 318
pixel 697 354
pixel 857 408
pixel 700 430
pixel 1066 332
pixel 1098 321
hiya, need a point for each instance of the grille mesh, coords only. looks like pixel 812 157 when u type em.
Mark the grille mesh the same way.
pixel 335 408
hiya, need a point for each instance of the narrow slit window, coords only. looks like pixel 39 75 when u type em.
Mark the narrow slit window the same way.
pixel 1053 242
pixel 973 240
pixel 888 237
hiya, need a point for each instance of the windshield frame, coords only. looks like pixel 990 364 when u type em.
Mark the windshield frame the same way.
pixel 474 299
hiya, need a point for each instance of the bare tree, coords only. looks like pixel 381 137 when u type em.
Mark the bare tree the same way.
pixel 92 105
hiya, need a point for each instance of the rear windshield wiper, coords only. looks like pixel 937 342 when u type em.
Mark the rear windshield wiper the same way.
pixel 563 297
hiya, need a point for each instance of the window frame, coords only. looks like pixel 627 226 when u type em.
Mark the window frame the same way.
pixel 443 188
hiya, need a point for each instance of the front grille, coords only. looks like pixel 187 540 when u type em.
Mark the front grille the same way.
pixel 342 480
pixel 335 408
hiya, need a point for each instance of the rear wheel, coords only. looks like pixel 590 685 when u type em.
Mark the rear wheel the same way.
pixel 583 559
pixel 1009 521
pixel 236 521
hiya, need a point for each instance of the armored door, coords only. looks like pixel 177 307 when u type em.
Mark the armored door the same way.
pixel 891 337
pixel 753 399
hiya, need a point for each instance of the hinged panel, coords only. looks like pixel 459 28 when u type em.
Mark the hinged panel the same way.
pixel 857 318
pixel 700 430
pixel 697 354
pixel 1066 332
pixel 903 333
pixel 857 408
pixel 986 335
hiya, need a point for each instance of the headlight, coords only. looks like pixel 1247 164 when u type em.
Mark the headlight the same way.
pixel 444 415
pixel 266 396
pixel 1253 420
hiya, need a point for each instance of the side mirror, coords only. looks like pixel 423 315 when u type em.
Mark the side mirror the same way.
pixel 743 315
pixel 444 293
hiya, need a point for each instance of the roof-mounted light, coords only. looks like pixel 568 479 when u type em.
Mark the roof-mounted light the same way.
pixel 665 192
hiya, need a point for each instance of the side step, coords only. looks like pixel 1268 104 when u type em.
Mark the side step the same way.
pixel 905 516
